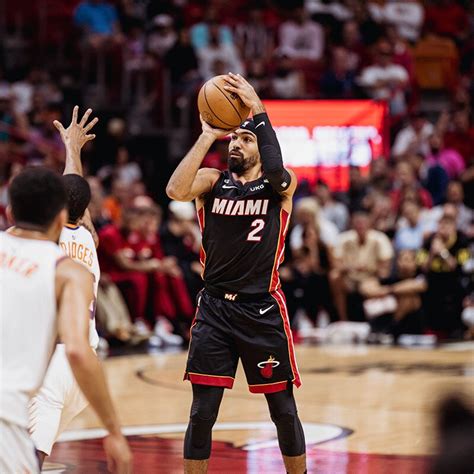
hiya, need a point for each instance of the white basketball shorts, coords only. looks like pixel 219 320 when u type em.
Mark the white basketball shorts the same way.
pixel 57 402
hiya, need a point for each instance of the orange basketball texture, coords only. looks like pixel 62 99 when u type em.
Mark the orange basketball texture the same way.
pixel 221 108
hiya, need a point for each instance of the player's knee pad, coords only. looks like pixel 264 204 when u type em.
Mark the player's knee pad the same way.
pixel 202 424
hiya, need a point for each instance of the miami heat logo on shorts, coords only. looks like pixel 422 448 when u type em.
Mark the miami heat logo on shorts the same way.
pixel 266 367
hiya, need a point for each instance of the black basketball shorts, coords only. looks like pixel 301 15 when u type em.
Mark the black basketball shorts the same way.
pixel 256 332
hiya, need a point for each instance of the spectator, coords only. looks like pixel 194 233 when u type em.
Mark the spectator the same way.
pixel 406 185
pixel 394 305
pixel 201 32
pixel 385 80
pixel 339 82
pixel 162 35
pixel 450 160
pixel 381 213
pixel 301 38
pixel 218 57
pixel 305 280
pixel 332 210
pixel 118 200
pixel 258 77
pixel 99 22
pixel 287 82
pixel 379 178
pixel 401 50
pixel 414 138
pixel 360 254
pixel 456 207
pixel 406 15
pixel 412 228
pixel 357 189
pixel 307 212
pixel 182 62
pixel 352 43
pixel 181 238
pixel 458 134
pixel 125 171
pixel 99 215
pixel 441 259
pixel 254 38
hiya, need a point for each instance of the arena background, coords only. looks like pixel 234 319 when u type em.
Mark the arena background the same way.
pixel 373 105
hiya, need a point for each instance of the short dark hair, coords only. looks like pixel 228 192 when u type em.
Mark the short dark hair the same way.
pixel 37 195
pixel 78 196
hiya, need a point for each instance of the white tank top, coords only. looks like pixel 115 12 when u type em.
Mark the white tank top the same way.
pixel 28 323
pixel 77 243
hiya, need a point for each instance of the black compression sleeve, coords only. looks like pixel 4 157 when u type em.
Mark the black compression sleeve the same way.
pixel 270 153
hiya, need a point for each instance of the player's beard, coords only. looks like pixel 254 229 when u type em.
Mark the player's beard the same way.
pixel 240 165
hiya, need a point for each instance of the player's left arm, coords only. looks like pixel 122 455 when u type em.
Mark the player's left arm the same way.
pixel 270 152
pixel 74 138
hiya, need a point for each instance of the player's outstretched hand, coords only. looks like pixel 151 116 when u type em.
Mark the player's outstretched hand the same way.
pixel 119 456
pixel 216 132
pixel 239 85
pixel 76 135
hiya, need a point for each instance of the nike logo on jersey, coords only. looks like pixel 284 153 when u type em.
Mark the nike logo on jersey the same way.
pixel 263 311
pixel 261 123
pixel 229 187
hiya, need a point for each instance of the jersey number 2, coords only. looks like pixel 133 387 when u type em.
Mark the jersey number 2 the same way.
pixel 258 225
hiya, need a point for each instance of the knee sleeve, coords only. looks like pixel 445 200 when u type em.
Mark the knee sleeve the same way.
pixel 204 410
pixel 284 414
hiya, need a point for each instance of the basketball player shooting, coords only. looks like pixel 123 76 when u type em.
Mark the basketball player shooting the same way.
pixel 45 295
pixel 60 399
pixel 244 214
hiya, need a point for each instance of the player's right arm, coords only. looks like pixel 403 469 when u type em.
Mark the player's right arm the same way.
pixel 74 293
pixel 74 138
pixel 188 182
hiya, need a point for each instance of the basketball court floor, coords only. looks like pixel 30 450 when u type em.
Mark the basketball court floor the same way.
pixel 365 409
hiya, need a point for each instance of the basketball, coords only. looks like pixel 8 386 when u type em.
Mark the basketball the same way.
pixel 220 108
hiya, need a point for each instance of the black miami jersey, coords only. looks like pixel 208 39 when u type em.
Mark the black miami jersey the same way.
pixel 243 236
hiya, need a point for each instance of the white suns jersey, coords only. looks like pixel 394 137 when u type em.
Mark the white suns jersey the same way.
pixel 77 243
pixel 28 323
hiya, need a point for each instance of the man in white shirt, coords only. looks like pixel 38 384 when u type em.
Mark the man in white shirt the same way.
pixel 414 138
pixel 301 38
pixel 385 80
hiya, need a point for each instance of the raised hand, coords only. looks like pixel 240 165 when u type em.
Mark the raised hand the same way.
pixel 76 135
pixel 241 87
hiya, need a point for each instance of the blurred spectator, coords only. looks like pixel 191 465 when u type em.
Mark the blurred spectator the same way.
pixel 414 138
pixel 332 210
pixel 458 133
pixel 338 82
pixel 381 213
pixel 385 80
pixel 253 37
pixel 135 55
pixel 117 201
pixel 402 53
pixel 180 237
pixel 351 41
pixel 99 215
pixel 361 253
pixel 379 178
pixel 441 259
pixel 406 186
pixel 455 205
pixel 258 77
pixel 301 38
pixel 394 305
pixel 286 82
pixel 124 170
pixel 357 189
pixel 162 35
pixel 201 32
pixel 305 281
pixel 218 57
pixel 412 231
pixel 307 213
pixel 447 18
pixel 449 159
pixel 182 62
pixel 99 22
pixel 406 15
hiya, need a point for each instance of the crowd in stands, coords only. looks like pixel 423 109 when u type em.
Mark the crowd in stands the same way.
pixel 395 250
